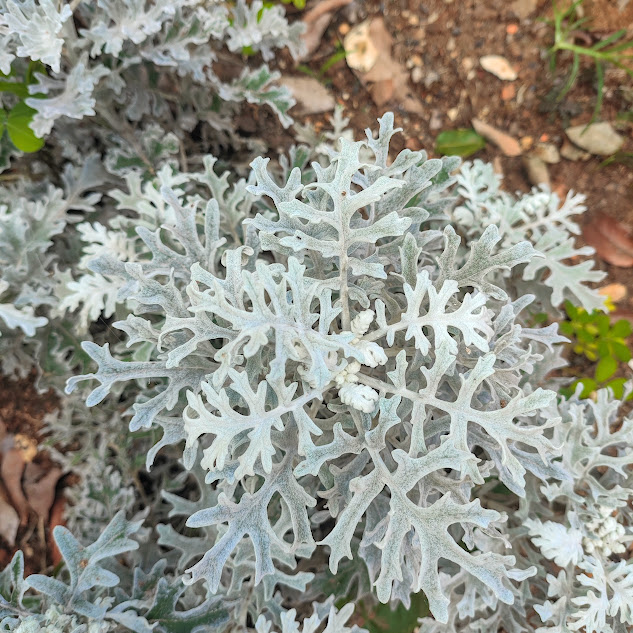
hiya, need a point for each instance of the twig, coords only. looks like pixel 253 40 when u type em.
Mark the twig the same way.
pixel 324 7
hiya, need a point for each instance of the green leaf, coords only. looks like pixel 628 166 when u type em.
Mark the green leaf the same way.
pixel 589 386
pixel 606 368
pixel 571 309
pixel 3 120
pixel 34 67
pixel 617 386
pixel 571 78
pixel 21 135
pixel 460 142
pixel 584 337
pixel 603 324
pixel 209 615
pixel 566 328
pixel 382 619
pixel 621 329
pixel 604 349
pixel 17 88
pixel 333 59
pixel 621 351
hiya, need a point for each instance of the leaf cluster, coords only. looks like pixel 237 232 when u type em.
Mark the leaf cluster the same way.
pixel 601 342
pixel 612 50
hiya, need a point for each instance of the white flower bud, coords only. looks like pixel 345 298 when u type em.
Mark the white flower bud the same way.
pixel 353 367
pixel 374 354
pixel 359 397
pixel 608 534
pixel 362 321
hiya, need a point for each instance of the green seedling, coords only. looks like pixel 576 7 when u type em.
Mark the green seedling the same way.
pixel 613 50
pixel 17 120
pixel 334 58
pixel 594 337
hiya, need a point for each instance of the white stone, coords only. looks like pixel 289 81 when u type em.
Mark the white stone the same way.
pixel 498 66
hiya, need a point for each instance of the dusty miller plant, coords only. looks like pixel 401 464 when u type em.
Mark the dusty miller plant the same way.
pixel 328 367
pixel 357 388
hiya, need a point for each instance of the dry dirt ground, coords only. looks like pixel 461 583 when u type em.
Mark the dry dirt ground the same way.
pixel 440 43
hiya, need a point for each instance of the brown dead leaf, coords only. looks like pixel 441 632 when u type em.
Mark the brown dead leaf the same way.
pixel 11 471
pixel 611 239
pixel 313 35
pixel 56 518
pixel 39 487
pixel 311 95
pixel 506 143
pixel 368 48
pixel 9 520
pixel 316 22
pixel 323 7
pixel 615 292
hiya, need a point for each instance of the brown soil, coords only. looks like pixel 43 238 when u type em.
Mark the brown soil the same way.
pixel 447 38
pixel 22 412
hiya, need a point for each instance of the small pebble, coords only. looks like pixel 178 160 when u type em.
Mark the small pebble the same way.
pixel 508 92
pixel 498 66
pixel 417 75
pixel 433 17
pixel 571 152
pixel 431 78
pixel 536 171
pixel 547 152
pixel 436 120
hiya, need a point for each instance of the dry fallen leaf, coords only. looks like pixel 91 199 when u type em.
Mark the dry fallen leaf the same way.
pixel 11 471
pixel 39 487
pixel 9 520
pixel 506 143
pixel 311 95
pixel 610 238
pixel 615 292
pixel 316 22
pixel 368 48
pixel 498 66
pixel 56 518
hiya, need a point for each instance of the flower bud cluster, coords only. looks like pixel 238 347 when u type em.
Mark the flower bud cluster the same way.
pixel 360 397
pixel 607 535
